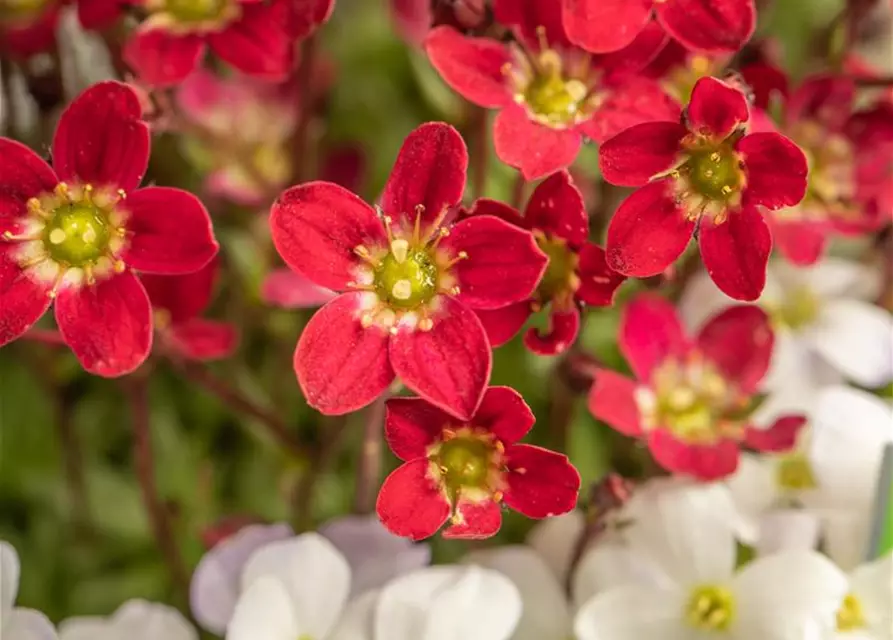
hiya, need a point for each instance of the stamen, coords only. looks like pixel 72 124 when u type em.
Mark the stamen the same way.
pixel 366 320
pixel 364 255
pixel 61 190
pixel 425 322
pixel 455 290
pixel 462 255
pixel 541 37
pixel 12 237
pixel 387 226
pixel 399 249
pixel 417 226
pixel 119 266
pixel 88 274
pixel 441 233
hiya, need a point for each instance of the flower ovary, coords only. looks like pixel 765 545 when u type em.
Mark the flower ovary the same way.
pixel 714 173
pixel 850 616
pixel 560 280
pixel 406 277
pixel 710 608
pixel 77 234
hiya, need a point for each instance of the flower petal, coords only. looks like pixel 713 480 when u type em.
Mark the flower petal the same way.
pixel 471 66
pixel 541 483
pixel 308 15
pixel 650 333
pixel 716 108
pixel 871 584
pixel 648 232
pixel 612 399
pixel 23 175
pixel 429 172
pixel 161 58
pixel 504 413
pixel 448 366
pixel 10 572
pixel 108 325
pixel 412 425
pixel 634 156
pixel 782 529
pixel 316 227
pixel 532 21
pixel 601 26
pixel 477 520
pixel 410 504
pixel 98 14
pixel 169 231
pixel 801 242
pixel 776 170
pixel 534 148
pixel 736 253
pixel 27 624
pixel 658 614
pixel 184 296
pixel 259 43
pixel 636 101
pixel 556 207
pixel 504 324
pixel 291 290
pixel 200 339
pixel 714 26
pixel 23 299
pixel 264 611
pixel 739 341
pixel 101 138
pixel 560 334
pixel 504 263
pixel 598 281
pixel 705 462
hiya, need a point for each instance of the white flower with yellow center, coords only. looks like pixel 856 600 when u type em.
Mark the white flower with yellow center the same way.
pixel 134 620
pixel 867 609
pixel 18 623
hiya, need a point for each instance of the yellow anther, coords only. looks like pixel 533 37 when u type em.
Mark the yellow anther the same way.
pixel 715 156
pixel 726 189
pixel 426 324
pixel 400 249
pixel 119 266
pixel 402 289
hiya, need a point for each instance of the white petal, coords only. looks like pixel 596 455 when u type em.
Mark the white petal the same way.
pixel 26 624
pixel 546 614
pixel 845 535
pixel 857 339
pixel 358 619
pixel 795 366
pixel 840 278
pixel 480 604
pixel 264 612
pixel 143 620
pixel 701 300
pixel 374 554
pixel 554 539
pixel 787 595
pixel 872 584
pixel 83 628
pixel 633 613
pixel 783 529
pixel 216 584
pixel 315 576
pixel 753 485
pixel 612 564
pixel 10 569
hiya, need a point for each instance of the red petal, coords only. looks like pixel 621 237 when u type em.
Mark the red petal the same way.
pixel 705 462
pixel 648 232
pixel 429 171
pixel 98 14
pixel 341 366
pixel 541 483
pixel 632 59
pixel 161 58
pixel 184 296
pixel 635 101
pixel 200 339
pixel 827 99
pixel 36 37
pixel 449 365
pixel 487 207
pixel 528 17
pixel 768 83
pixel 605 25
pixel 739 341
pixel 260 42
pixel 556 207
pixel 716 109
pixel 736 253
pixel 291 290
pixel 504 263
pixel 471 66
pixel 307 15
pixel 316 227
pixel 563 329
pixel 650 333
pixel 781 436
pixel 23 175
pixel 108 325
pixel 169 231
pixel 633 157
pixel 776 170
pixel 22 300
pixel 412 425
pixel 503 324
pixel 715 26
pixel 612 399
pixel 802 242
pixel 504 413
pixel 412 19
pixel 101 138
pixel 479 520
pixel 598 281
pixel 410 504
pixel 535 149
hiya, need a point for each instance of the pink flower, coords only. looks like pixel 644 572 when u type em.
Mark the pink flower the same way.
pixel 462 472
pixel 690 397
pixel 410 281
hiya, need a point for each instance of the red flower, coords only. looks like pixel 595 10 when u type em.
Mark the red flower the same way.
pixel 577 273
pixel 178 302
pixel 462 471
pixel 716 26
pixel 73 235
pixel 411 282
pixel 704 177
pixel 28 28
pixel 689 396
pixel 254 36
pixel 550 93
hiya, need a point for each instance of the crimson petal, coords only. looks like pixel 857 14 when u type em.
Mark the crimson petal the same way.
pixel 412 425
pixel 473 67
pixel 529 17
pixel 541 483
pixel 23 300
pixel 504 413
pixel 705 462
pixel 650 333
pixel 779 437
pixel 802 242
pixel 716 109
pixel 634 156
pixel 184 296
pixel 776 170
pixel 739 340
pixel 598 281
pixel 601 26
pixel 563 329
pixel 635 101
pixel 476 520
pixel 534 148
pixel 259 43
pixel 612 399
pixel 161 58
pixel 504 324
pixel 307 15
pixel 200 339
pixel 23 175
pixel 714 26
pixel 556 207
pixel 98 14
pixel 736 252
pixel 410 504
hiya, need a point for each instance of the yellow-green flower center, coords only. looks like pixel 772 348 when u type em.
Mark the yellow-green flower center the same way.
pixel 555 99
pixel 850 616
pixel 714 173
pixel 794 473
pixel 20 10
pixel 194 11
pixel 465 462
pixel 407 276
pixel 799 309
pixel 710 608
pixel 77 234
pixel 560 279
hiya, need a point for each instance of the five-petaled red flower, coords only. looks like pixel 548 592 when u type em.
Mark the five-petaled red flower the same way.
pixel 706 177
pixel 460 471
pixel 690 397
pixel 577 273
pixel 715 26
pixel 73 233
pixel 411 281
pixel 550 93
pixel 178 301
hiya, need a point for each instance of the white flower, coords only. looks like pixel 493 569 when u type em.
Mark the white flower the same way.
pixel 554 539
pixel 826 328
pixel 293 589
pixel 867 609
pixel 134 620
pixel 18 623
pixel 785 596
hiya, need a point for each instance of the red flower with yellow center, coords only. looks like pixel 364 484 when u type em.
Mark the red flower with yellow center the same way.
pixel 462 471
pixel 410 280
pixel 705 177
pixel 690 398
pixel 72 234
